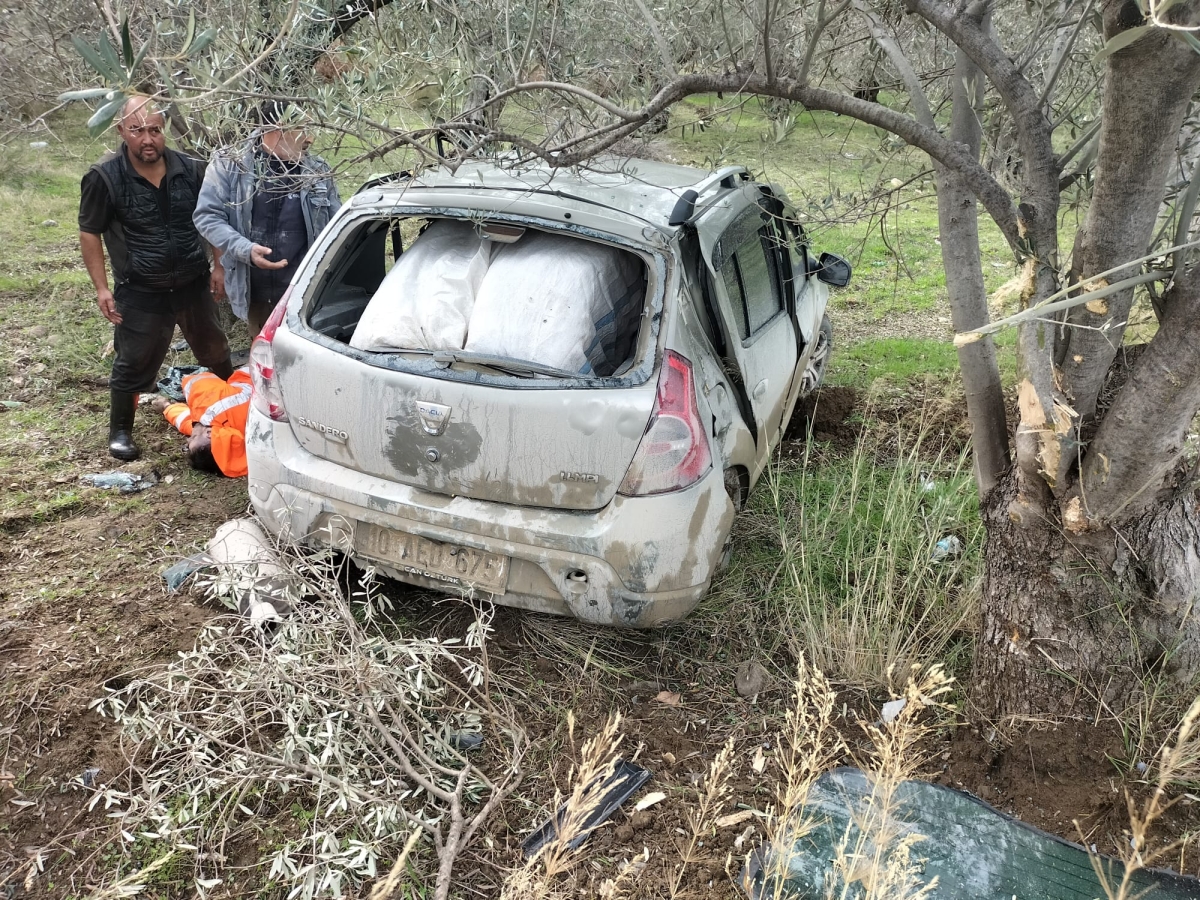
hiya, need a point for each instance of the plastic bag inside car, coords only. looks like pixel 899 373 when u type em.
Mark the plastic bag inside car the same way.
pixel 559 301
pixel 425 302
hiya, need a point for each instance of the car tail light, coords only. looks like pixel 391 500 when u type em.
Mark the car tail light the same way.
pixel 674 451
pixel 267 398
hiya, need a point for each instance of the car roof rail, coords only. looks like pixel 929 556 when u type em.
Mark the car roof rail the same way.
pixel 377 180
pixel 726 177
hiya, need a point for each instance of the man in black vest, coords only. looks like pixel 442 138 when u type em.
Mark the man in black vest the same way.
pixel 140 198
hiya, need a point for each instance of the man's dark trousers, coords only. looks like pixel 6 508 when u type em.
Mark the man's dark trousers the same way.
pixel 142 339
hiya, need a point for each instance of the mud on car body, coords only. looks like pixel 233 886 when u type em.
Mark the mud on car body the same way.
pixel 604 488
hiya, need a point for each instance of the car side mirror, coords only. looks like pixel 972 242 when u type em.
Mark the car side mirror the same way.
pixel 833 270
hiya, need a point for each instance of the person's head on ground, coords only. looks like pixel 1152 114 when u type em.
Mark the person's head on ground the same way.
pixel 199 450
pixel 284 132
pixel 141 127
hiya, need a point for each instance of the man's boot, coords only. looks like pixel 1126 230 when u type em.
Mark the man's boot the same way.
pixel 120 426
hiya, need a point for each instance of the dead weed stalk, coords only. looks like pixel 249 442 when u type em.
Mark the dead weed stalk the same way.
pixel 330 743
pixel 702 818
pixel 542 875
pixel 874 859
pixel 1178 761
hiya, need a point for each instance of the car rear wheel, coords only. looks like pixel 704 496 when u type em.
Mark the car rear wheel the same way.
pixel 814 372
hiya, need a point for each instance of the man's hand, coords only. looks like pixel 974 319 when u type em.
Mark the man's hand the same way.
pixel 108 306
pixel 259 254
pixel 216 283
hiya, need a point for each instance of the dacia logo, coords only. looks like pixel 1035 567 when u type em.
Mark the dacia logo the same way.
pixel 434 417
pixel 334 434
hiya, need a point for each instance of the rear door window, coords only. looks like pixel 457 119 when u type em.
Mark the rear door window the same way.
pixel 753 280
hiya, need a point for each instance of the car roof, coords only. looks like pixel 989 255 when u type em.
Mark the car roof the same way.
pixel 643 188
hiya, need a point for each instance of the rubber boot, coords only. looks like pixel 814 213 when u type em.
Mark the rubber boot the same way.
pixel 120 426
pixel 224 369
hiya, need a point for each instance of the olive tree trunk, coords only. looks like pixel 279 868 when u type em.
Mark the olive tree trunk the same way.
pixel 1092 584
pixel 958 221
pixel 958 226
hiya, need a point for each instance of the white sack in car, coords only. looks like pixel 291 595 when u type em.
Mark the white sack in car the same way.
pixel 426 299
pixel 559 301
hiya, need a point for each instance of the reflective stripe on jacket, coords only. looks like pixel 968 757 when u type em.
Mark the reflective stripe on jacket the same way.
pixel 224 407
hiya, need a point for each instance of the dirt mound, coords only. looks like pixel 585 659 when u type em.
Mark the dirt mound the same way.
pixel 826 415
pixel 1052 776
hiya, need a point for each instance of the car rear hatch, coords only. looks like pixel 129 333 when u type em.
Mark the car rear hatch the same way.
pixel 460 428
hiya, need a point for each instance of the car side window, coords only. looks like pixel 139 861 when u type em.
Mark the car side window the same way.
pixel 753 281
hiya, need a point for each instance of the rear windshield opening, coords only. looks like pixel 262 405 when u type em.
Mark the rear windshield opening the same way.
pixel 488 290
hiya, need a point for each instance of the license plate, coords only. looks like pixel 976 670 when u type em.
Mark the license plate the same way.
pixel 450 564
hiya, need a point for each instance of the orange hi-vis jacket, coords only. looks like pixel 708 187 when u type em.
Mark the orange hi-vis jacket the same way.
pixel 221 405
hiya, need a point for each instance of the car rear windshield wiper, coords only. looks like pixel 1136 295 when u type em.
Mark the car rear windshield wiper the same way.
pixel 522 368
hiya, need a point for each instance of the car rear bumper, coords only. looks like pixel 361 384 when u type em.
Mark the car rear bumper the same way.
pixel 645 561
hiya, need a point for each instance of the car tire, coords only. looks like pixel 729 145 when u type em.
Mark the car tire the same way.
pixel 818 362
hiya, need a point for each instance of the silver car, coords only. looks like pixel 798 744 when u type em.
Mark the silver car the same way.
pixel 578 441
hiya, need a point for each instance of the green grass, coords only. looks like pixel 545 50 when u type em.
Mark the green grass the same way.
pixel 857 585
pixel 901 358
pixel 904 359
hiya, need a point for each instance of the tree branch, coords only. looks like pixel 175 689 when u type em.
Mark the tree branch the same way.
pixel 989 191
pixel 899 62
pixel 815 36
pixel 1023 103
pixel 664 49
pixel 1060 63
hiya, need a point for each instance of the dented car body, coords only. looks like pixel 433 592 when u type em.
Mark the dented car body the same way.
pixel 604 489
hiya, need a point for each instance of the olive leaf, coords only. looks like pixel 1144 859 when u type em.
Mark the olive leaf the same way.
pixel 203 39
pixel 126 46
pixel 95 60
pixel 191 33
pixel 86 94
pixel 109 54
pixel 103 117
pixel 1122 40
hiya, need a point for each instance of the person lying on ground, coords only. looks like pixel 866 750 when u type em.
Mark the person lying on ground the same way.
pixel 213 416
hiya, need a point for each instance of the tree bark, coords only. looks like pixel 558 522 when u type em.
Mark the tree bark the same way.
pixel 1049 641
pixel 1040 465
pixel 958 224
pixel 958 221
pixel 1072 622
pixel 1147 89
pixel 1131 462
pixel 1167 568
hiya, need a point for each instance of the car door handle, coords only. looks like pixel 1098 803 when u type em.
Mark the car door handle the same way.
pixel 760 389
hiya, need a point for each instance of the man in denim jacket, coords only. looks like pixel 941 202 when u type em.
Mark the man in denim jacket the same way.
pixel 260 207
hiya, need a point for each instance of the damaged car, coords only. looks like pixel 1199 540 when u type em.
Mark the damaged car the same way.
pixel 551 388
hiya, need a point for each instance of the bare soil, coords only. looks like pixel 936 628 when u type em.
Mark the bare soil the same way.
pixel 83 605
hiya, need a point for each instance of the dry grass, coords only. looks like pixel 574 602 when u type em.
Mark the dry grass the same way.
pixel 543 875
pixel 875 859
pixel 328 743
pixel 1178 761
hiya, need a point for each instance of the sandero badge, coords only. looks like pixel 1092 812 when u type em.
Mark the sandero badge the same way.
pixel 334 434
